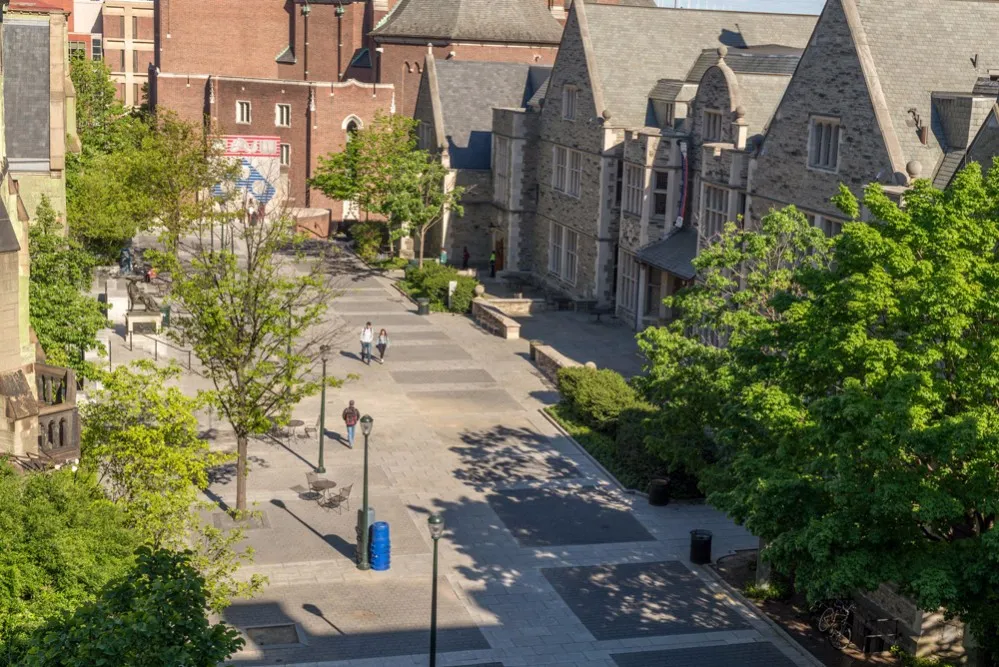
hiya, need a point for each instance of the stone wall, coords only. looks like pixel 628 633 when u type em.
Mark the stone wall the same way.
pixel 493 320
pixel 830 82
pixel 549 361
pixel 519 307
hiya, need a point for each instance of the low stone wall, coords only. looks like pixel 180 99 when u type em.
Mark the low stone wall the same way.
pixel 549 360
pixel 493 320
pixel 518 307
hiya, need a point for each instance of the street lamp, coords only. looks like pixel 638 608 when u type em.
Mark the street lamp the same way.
pixel 362 529
pixel 324 351
pixel 436 523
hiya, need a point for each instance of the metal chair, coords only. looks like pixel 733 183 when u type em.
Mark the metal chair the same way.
pixel 339 500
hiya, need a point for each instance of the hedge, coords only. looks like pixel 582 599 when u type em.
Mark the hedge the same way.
pixel 432 282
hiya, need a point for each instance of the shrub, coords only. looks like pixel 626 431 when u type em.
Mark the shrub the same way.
pixel 432 282
pixel 368 239
pixel 640 465
pixel 908 660
pixel 597 396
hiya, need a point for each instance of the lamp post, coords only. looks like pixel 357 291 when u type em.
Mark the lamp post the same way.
pixel 362 542
pixel 324 351
pixel 436 523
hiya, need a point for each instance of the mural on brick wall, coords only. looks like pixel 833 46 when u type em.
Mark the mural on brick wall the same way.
pixel 261 185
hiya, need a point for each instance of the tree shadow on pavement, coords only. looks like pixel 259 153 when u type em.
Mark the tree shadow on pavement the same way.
pixel 504 455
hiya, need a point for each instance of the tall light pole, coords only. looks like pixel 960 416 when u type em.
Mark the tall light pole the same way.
pixel 436 523
pixel 324 351
pixel 362 529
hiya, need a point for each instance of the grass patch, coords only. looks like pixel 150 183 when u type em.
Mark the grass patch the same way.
pixel 772 591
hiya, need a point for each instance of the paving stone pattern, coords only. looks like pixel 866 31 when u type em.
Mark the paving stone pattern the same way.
pixel 544 561
pixel 641 600
pixel 729 655
pixel 559 517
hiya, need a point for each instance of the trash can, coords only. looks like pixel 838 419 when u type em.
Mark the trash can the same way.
pixel 380 547
pixel 423 306
pixel 700 547
pixel 165 312
pixel 659 492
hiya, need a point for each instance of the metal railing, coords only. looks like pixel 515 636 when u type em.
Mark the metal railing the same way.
pixel 156 347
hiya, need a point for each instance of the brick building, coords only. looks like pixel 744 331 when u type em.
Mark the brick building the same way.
pixel 277 73
pixel 85 28
pixel 129 46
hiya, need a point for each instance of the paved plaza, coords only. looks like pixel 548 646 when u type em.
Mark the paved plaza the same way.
pixel 544 560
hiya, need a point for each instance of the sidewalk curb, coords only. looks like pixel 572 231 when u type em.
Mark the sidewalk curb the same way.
pixel 737 595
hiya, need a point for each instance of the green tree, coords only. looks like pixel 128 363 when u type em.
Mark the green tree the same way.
pixel 421 196
pixel 61 541
pixel 370 167
pixel 65 318
pixel 857 430
pixel 156 617
pixel 253 314
pixel 140 435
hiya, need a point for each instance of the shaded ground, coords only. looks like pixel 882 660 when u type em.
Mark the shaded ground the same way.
pixel 739 570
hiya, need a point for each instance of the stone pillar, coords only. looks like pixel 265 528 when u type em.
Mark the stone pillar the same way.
pixel 643 279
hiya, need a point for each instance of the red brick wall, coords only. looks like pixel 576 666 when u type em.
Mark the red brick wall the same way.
pixel 327 134
pixel 141 61
pixel 243 38
pixel 143 28
pixel 402 64
pixel 114 26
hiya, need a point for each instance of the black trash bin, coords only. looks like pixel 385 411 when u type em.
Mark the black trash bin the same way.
pixel 423 306
pixel 659 492
pixel 700 547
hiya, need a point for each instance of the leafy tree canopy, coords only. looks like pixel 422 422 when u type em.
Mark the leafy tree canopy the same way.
pixel 852 421
pixel 156 617
pixel 65 319
pixel 61 541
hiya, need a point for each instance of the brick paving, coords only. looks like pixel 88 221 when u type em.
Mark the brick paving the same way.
pixel 544 560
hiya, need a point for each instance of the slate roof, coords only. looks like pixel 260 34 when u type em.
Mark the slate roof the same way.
pixel 674 254
pixel 759 95
pixel 911 61
pixel 26 89
pixel 469 90
pixel 19 402
pixel 664 43
pixel 8 237
pixel 508 21
pixel 768 59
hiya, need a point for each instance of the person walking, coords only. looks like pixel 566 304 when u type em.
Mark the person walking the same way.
pixel 465 256
pixel 367 338
pixel 350 417
pixel 492 264
pixel 383 343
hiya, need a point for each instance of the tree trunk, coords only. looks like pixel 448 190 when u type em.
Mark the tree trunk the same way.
pixel 762 566
pixel 423 238
pixel 241 444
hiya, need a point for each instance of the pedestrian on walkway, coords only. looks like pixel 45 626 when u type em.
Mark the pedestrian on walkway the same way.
pixel 367 338
pixel 383 343
pixel 350 417
pixel 492 264
pixel 465 256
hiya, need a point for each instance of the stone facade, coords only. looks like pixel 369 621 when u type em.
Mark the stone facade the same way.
pixel 830 82
pixel 516 213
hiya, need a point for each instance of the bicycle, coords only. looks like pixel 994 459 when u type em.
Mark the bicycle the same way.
pixel 835 620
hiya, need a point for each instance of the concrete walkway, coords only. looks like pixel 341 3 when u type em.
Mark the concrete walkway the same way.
pixel 544 560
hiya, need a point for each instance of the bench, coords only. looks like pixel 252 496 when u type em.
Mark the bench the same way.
pixel 600 311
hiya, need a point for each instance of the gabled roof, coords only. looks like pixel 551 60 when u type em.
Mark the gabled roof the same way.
pixel 910 48
pixel 26 52
pixel 634 47
pixel 466 93
pixel 505 21
pixel 769 59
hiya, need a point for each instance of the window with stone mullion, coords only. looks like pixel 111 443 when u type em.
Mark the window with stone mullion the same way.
pixel 559 169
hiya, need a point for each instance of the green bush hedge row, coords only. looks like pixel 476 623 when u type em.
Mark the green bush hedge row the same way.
pixel 602 400
pixel 432 281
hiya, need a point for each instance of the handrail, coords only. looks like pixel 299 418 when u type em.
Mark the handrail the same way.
pixel 156 343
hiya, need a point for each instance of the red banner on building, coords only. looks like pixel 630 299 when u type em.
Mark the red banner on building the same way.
pixel 247 146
